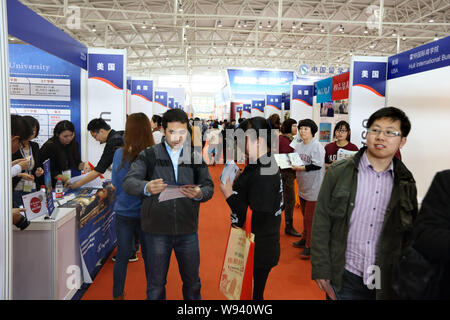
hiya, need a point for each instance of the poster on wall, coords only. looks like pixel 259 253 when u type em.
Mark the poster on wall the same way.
pixel 44 87
pixel 325 132
pixel 160 104
pixel 324 90
pixel 246 110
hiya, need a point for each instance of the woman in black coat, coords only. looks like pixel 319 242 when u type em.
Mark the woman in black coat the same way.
pixel 31 178
pixel 258 187
pixel 62 150
pixel 432 227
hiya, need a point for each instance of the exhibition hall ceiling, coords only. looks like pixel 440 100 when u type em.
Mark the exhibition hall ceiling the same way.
pixel 205 35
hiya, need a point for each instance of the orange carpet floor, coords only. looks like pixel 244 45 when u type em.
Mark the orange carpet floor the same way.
pixel 289 280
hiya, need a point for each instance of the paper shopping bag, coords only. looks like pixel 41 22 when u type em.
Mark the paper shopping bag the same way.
pixel 236 278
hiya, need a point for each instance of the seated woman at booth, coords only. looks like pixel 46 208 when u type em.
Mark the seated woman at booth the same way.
pixel 62 150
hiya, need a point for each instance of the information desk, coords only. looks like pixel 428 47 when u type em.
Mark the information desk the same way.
pixel 43 253
pixel 53 257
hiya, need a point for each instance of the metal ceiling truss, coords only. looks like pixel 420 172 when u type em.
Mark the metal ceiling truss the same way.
pixel 196 35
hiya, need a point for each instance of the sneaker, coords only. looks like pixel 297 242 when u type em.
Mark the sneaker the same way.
pixel 133 258
pixel 300 243
pixel 306 254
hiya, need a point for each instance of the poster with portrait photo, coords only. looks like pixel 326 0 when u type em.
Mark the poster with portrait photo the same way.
pixel 327 109
pixel 341 106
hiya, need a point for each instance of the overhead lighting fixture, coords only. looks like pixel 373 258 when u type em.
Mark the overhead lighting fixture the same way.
pixel 260 25
pixel 153 27
pixel 180 6
pixel 301 27
pixel 144 26
pixel 245 24
pixel 372 45
pixel 431 20
pixel 394 34
pixel 436 37
pixel 187 24
pixel 293 25
pixel 341 28
pixel 366 31
pixel 322 29
pixel 219 24
pixel 269 25
pixel 93 28
pixel 239 24
pixel 404 37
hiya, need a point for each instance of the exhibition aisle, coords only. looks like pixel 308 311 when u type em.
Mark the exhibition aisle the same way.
pixel 290 280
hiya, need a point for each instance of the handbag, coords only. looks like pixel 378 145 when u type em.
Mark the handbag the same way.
pixel 236 278
pixel 416 278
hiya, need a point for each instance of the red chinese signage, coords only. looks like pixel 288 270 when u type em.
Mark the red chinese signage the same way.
pixel 340 86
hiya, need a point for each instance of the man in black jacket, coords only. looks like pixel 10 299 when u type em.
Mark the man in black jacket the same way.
pixel 170 224
pixel 102 132
pixel 432 228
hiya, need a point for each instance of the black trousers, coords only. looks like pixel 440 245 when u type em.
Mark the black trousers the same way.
pixel 260 276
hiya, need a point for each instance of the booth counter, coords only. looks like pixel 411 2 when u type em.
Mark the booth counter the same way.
pixel 42 255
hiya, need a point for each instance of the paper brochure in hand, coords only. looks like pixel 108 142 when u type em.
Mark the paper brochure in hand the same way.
pixel 344 154
pixel 230 170
pixel 287 160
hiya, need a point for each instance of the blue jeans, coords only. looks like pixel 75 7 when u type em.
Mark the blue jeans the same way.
pixel 353 288
pixel 126 228
pixel 158 251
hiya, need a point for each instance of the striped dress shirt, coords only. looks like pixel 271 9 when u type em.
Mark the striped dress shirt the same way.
pixel 372 198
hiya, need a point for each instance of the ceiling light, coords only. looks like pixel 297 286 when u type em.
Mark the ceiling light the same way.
pixel 436 37
pixel 404 37
pixel 239 24
pixel 180 6
pixel 431 20
pixel 341 28
pixel 187 24
pixel 260 25
pixel 93 29
pixel 322 29
pixel 245 24
pixel 372 46
pixel 219 24
pixel 293 25
pixel 394 34
pixel 301 27
pixel 153 27
pixel 366 31
pixel 268 25
pixel 144 26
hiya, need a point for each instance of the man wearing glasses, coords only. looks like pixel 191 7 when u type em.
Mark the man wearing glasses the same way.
pixel 364 214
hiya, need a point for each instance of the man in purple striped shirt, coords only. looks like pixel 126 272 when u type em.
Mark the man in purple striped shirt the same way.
pixel 364 214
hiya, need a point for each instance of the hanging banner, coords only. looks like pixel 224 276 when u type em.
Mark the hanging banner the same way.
pixel 340 86
pixel 273 105
pixel 142 96
pixel 258 108
pixel 259 81
pixel 430 56
pixel 106 94
pixel 302 102
pixel 246 110
pixel 48 187
pixel 367 93
pixel 324 90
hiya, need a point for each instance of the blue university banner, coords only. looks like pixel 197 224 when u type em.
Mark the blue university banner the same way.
pixel 371 76
pixel 259 81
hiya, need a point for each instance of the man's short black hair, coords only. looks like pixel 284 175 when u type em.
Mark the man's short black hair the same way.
pixel 174 115
pixel 20 128
pixel 157 119
pixel 394 114
pixel 96 124
pixel 308 123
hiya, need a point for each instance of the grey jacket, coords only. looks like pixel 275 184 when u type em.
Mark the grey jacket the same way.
pixel 171 217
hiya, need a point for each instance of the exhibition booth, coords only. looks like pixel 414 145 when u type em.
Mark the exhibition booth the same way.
pixel 54 77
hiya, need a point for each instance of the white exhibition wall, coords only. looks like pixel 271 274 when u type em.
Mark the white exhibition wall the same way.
pixel 425 98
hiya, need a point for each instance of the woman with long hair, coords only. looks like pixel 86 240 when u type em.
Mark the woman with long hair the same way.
pixel 62 150
pixel 258 187
pixel 138 136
